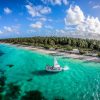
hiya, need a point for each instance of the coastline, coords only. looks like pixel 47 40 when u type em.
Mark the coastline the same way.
pixel 58 53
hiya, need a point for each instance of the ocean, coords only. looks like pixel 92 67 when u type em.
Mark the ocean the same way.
pixel 80 82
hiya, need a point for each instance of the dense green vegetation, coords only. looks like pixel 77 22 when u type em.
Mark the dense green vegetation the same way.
pixel 58 43
pixel 99 54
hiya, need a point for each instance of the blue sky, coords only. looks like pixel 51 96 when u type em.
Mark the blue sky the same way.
pixel 75 18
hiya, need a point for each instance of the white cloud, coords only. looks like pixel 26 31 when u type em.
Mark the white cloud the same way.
pixel 82 23
pixel 32 11
pixel 37 25
pixel 74 16
pixel 7 10
pixel 61 31
pixel 96 6
pixel 37 10
pixel 45 10
pixel 1 32
pixel 8 29
pixel 55 2
pixel 43 19
pixel 11 29
pixel 65 2
pixel 14 29
pixel 90 25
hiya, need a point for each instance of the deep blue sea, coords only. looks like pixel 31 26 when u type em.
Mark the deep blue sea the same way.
pixel 80 82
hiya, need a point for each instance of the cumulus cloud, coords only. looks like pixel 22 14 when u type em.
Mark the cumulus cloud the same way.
pixel 75 16
pixel 55 2
pixel 7 10
pixel 8 29
pixel 45 10
pixel 37 25
pixel 37 10
pixel 32 11
pixel 90 25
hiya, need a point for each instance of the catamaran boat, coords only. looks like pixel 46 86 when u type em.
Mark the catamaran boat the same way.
pixel 56 67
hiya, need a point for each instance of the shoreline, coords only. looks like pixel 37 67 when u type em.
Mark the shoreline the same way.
pixel 57 53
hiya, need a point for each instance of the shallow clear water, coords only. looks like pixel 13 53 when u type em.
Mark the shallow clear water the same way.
pixel 80 82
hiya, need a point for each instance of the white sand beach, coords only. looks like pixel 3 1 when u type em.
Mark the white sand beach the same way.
pixel 56 52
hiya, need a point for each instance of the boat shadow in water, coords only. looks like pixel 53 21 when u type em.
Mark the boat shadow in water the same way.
pixel 43 73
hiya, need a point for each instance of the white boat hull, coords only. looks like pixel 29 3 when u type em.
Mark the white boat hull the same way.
pixel 56 67
pixel 52 69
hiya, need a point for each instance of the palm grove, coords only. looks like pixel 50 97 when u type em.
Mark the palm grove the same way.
pixel 64 43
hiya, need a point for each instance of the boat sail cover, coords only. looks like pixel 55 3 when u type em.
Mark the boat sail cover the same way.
pixel 56 63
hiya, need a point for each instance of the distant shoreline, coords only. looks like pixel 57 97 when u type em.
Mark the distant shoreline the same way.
pixel 56 52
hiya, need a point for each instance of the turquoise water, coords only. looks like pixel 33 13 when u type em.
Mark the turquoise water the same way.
pixel 80 82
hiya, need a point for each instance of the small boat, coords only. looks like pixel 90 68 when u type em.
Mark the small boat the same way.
pixel 56 67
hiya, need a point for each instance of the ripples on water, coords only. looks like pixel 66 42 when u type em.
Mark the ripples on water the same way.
pixel 80 82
